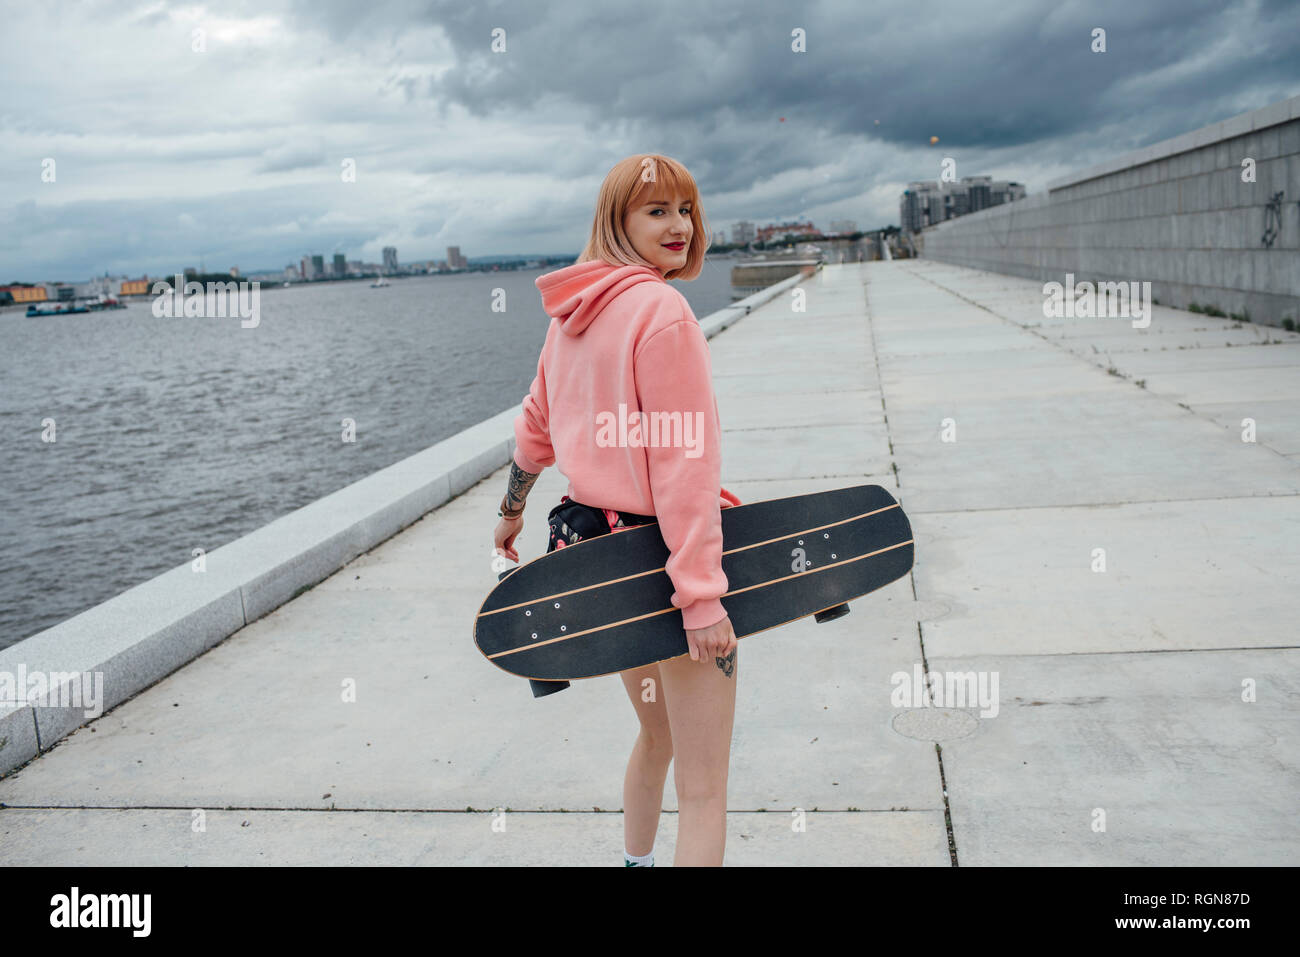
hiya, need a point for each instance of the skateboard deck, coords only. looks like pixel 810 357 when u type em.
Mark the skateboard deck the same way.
pixel 603 605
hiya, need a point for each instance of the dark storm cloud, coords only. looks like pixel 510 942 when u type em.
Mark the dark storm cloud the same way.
pixel 165 154
pixel 976 75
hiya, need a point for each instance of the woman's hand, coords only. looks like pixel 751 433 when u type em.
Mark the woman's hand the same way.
pixel 504 538
pixel 716 641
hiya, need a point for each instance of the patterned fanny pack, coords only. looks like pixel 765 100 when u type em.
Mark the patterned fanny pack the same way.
pixel 571 521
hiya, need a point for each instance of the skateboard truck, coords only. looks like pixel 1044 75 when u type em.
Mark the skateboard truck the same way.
pixel 830 614
pixel 542 688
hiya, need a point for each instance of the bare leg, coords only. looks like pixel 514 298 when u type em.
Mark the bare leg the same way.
pixel 701 699
pixel 647 768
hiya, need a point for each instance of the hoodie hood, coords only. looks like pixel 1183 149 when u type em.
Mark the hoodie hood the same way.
pixel 575 295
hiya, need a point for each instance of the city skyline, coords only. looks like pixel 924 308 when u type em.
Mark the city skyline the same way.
pixel 315 267
pixel 424 129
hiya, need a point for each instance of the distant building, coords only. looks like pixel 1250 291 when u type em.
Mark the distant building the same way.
pixel 978 192
pixel 956 202
pixel 914 207
pixel 234 270
pixel 305 268
pixel 742 233
pixel 317 267
pixel 390 259
pixel 340 265
pixel 26 293
pixel 455 260
pixel 780 230
pixel 926 203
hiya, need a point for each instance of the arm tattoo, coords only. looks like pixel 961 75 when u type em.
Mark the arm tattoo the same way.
pixel 520 484
pixel 728 664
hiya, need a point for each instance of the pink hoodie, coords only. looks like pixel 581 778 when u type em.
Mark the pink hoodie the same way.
pixel 622 341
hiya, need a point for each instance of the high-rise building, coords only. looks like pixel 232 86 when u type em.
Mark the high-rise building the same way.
pixel 921 205
pixel 926 203
pixel 318 267
pixel 742 233
pixel 455 260
pixel 306 268
pixel 390 259
pixel 340 265
pixel 978 189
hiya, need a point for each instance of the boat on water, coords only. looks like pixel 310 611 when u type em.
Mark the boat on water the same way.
pixel 380 283
pixel 99 304
pixel 66 310
pixel 105 302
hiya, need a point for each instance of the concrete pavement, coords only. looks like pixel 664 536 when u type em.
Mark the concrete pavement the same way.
pixel 358 724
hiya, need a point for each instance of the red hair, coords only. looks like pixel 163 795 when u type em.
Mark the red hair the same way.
pixel 632 182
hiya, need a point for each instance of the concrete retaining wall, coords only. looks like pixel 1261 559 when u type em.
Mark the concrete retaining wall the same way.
pixel 147 632
pixel 1176 214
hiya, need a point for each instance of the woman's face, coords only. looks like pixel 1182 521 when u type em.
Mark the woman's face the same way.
pixel 656 227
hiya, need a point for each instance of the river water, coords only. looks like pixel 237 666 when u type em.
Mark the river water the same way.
pixel 172 434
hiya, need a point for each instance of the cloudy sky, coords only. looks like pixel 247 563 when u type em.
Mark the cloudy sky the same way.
pixel 218 132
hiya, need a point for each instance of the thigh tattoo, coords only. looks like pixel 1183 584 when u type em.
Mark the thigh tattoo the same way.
pixel 727 665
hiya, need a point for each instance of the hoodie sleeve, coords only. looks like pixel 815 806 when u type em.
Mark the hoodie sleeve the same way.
pixel 533 451
pixel 672 372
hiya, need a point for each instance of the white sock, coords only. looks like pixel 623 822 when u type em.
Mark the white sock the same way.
pixel 647 861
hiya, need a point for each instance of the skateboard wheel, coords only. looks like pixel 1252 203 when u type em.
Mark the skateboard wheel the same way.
pixel 542 688
pixel 830 614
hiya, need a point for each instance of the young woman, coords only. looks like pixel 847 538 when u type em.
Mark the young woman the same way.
pixel 624 347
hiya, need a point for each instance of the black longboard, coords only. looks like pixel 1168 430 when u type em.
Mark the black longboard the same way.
pixel 603 605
